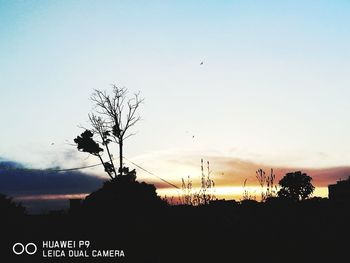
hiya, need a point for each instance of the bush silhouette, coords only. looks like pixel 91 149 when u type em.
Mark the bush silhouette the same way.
pixel 123 193
pixel 296 186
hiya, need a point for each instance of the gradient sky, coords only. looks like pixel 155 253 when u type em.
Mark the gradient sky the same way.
pixel 273 90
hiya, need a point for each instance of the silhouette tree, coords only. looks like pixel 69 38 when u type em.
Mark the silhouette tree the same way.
pixel 113 116
pixel 296 186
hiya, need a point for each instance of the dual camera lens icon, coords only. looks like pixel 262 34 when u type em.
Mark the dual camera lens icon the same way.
pixel 19 248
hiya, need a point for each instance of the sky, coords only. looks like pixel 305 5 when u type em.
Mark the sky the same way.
pixel 272 91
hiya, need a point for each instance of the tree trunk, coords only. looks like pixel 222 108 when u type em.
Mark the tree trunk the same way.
pixel 99 156
pixel 121 156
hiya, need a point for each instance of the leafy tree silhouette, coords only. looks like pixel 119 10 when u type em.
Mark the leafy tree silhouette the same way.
pixel 86 143
pixel 296 186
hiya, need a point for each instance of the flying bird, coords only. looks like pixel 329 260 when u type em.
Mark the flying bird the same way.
pixel 201 63
pixel 190 134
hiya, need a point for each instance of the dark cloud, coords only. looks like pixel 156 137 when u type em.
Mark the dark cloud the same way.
pixel 16 180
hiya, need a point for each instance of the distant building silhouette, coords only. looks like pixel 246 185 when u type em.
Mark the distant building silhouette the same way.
pixel 339 191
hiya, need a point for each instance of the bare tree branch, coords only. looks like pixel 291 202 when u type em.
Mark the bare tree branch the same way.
pixel 114 115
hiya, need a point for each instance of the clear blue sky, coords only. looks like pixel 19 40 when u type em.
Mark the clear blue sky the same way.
pixel 274 86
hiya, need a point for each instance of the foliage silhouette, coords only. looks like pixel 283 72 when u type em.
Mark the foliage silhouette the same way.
pixel 206 192
pixel 86 143
pixel 123 193
pixel 161 233
pixel 296 186
pixel 247 195
pixel 187 194
pixel 267 184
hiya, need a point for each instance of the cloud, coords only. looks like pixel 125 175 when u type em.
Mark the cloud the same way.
pixel 16 180
pixel 226 170
pixel 233 171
